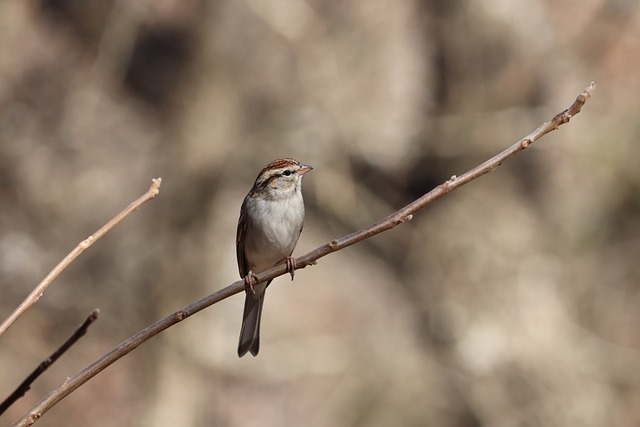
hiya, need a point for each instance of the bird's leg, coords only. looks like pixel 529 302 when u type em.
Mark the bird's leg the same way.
pixel 291 265
pixel 248 286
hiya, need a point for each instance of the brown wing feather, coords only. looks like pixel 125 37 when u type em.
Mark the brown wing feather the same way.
pixel 243 268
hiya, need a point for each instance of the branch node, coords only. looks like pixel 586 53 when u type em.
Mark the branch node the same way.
pixel 86 242
pixel 526 142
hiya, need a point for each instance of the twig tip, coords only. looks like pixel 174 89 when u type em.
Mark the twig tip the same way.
pixel 155 186
pixel 586 93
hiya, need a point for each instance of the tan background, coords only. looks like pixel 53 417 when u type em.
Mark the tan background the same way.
pixel 512 302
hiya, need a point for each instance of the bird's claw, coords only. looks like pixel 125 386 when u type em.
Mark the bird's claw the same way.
pixel 248 286
pixel 291 265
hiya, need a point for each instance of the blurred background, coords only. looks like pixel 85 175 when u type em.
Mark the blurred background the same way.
pixel 511 302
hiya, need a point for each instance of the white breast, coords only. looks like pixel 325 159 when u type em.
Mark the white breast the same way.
pixel 273 230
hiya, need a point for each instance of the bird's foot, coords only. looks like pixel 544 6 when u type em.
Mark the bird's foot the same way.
pixel 291 265
pixel 248 286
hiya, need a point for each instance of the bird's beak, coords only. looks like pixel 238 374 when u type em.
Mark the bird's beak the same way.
pixel 304 169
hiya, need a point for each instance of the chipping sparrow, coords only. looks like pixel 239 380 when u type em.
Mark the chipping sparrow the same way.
pixel 271 219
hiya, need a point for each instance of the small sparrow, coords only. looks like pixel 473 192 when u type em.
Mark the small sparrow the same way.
pixel 271 219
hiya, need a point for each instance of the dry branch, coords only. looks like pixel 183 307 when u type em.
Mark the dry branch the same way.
pixel 39 290
pixel 44 365
pixel 391 221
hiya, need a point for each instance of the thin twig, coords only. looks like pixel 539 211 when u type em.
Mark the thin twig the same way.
pixel 39 290
pixel 391 221
pixel 44 365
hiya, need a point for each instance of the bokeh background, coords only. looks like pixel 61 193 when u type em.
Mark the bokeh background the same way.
pixel 514 301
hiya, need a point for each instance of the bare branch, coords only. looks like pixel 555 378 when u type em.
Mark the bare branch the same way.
pixel 44 365
pixel 122 349
pixel 39 290
pixel 391 221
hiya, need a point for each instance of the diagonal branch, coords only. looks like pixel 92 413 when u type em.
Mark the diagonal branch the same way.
pixel 391 221
pixel 42 286
pixel 455 182
pixel 44 365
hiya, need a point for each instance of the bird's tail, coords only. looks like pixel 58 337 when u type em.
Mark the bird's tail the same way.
pixel 250 332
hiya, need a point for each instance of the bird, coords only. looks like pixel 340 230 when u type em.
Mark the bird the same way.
pixel 271 220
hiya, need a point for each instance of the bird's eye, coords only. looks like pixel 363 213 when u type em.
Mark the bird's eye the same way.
pixel 287 172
